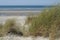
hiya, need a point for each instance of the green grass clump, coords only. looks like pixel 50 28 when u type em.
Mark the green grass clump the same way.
pixel 10 26
pixel 4 29
pixel 46 24
pixel 1 29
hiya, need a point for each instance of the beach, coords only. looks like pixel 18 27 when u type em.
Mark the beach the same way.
pixel 20 17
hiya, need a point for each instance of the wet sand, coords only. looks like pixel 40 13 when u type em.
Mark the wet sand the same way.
pixel 18 13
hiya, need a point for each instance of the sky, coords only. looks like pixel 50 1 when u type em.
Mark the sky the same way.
pixel 29 2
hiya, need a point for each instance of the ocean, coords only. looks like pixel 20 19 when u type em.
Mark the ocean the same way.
pixel 23 8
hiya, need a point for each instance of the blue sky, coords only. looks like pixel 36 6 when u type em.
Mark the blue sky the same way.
pixel 29 2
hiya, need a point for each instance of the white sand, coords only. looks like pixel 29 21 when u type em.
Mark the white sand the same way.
pixel 20 19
